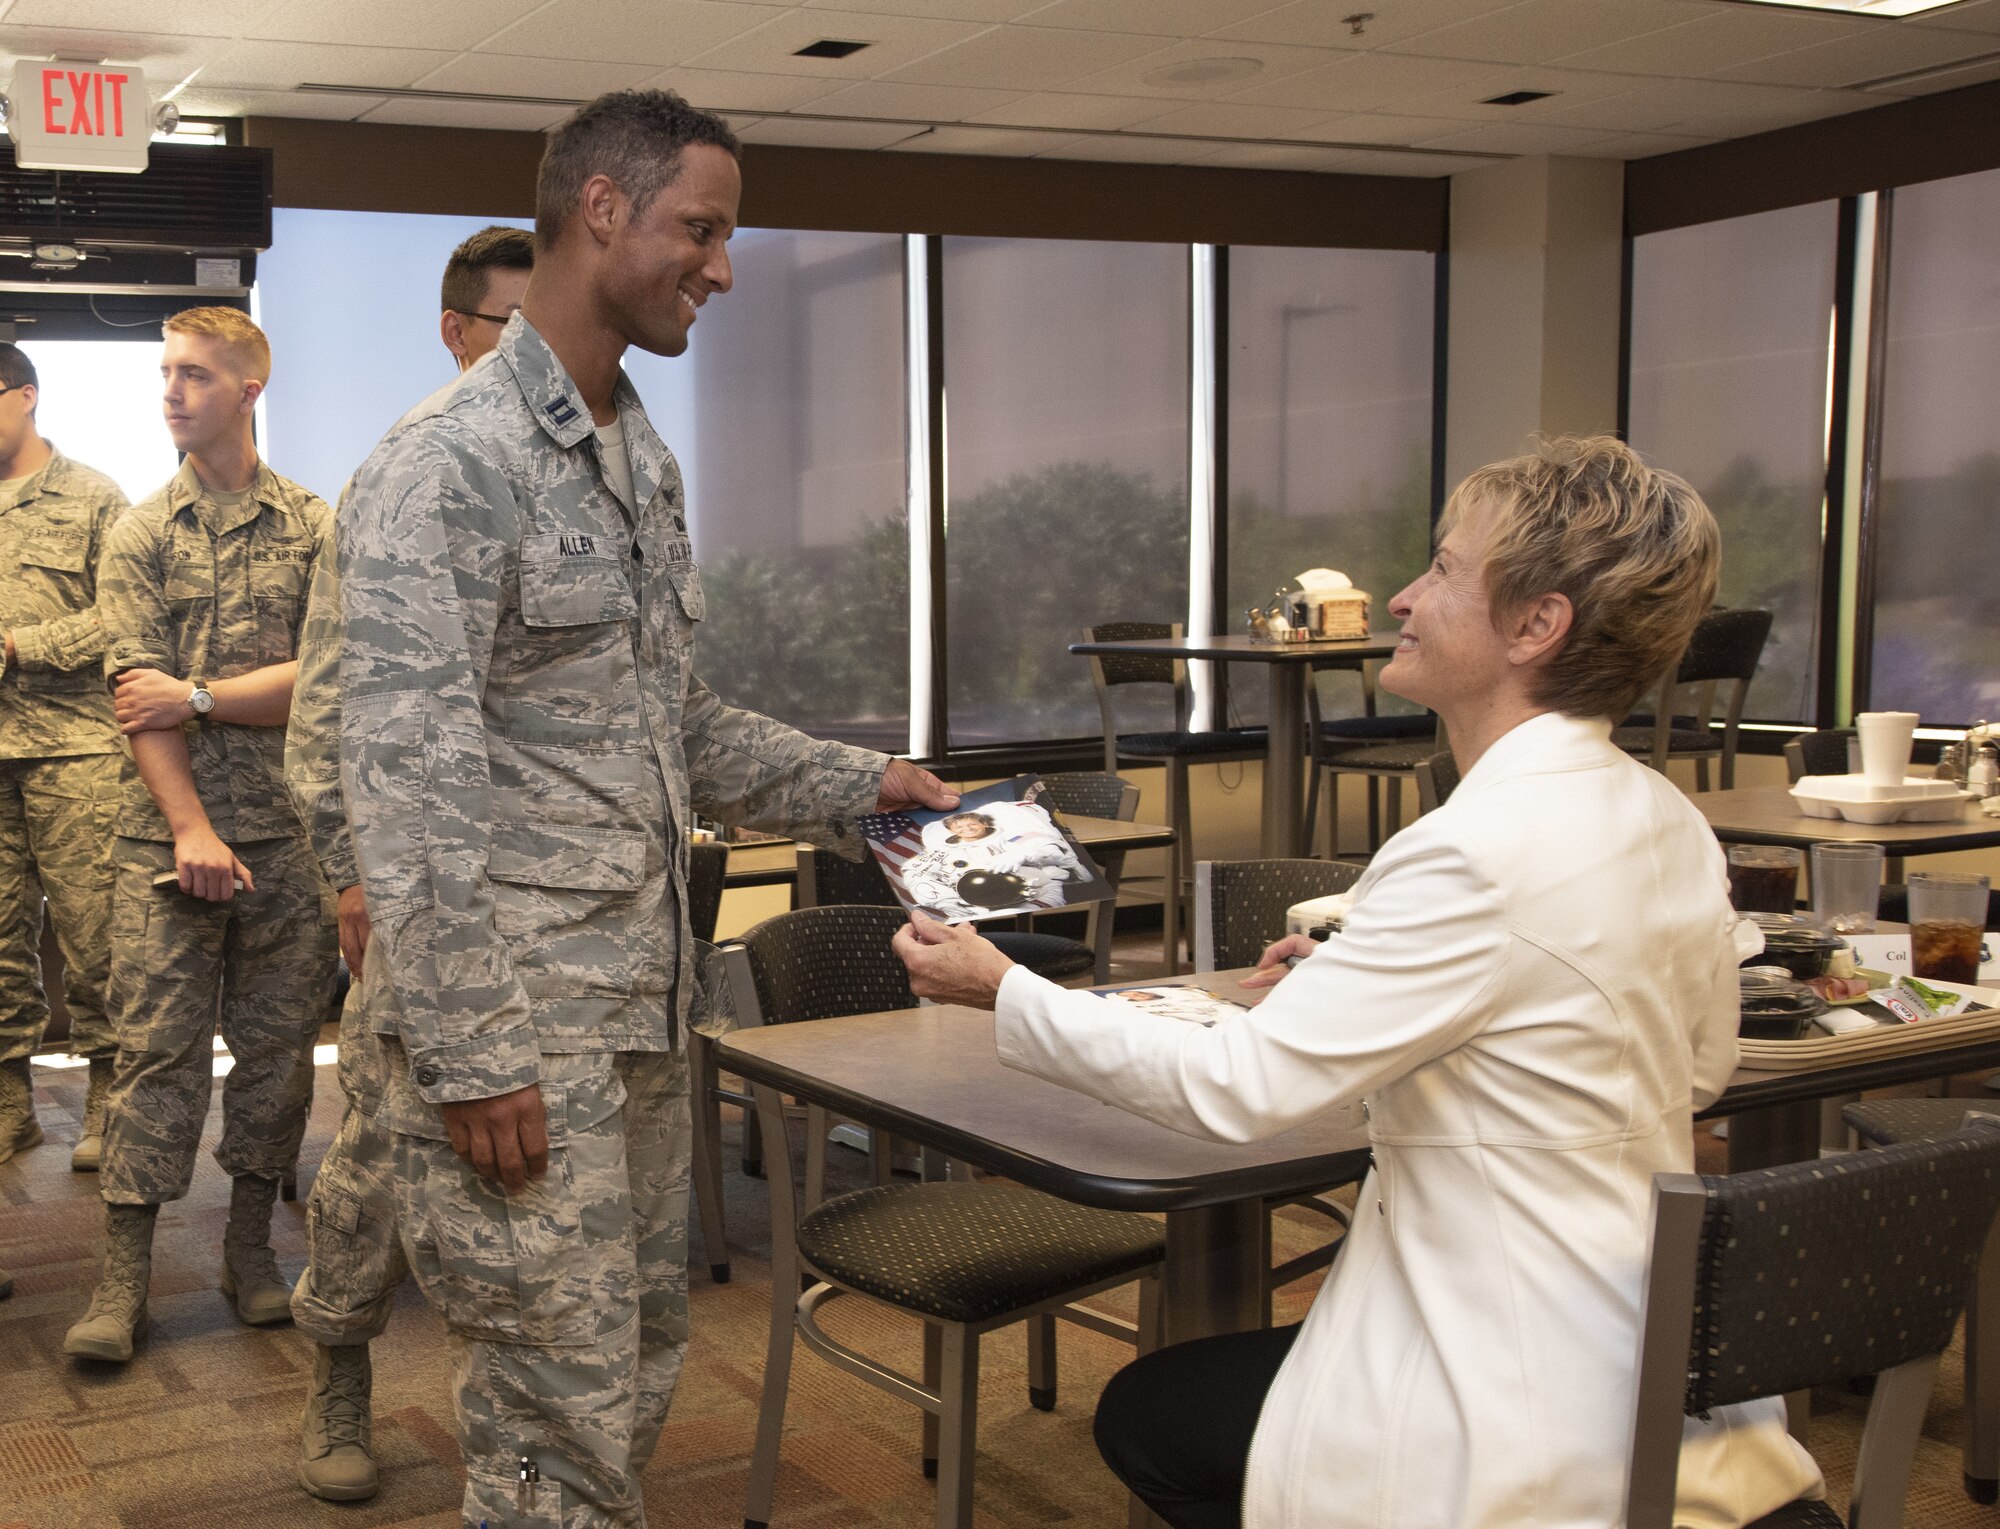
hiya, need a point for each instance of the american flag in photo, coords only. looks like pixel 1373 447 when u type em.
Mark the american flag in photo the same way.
pixel 894 835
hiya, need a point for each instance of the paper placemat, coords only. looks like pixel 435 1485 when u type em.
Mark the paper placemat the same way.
pixel 1816 1051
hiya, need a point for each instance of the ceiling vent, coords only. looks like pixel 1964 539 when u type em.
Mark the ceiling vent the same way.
pixel 829 47
pixel 1517 98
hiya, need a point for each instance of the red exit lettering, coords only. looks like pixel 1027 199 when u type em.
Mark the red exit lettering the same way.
pixel 95 104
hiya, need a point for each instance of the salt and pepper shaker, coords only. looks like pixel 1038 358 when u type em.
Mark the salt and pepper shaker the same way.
pixel 1982 776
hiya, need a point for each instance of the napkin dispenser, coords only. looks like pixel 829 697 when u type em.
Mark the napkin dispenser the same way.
pixel 1318 914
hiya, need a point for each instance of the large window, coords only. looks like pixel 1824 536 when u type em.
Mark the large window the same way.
pixel 786 414
pixel 99 403
pixel 1937 555
pixel 1330 410
pixel 1731 335
pixel 1066 435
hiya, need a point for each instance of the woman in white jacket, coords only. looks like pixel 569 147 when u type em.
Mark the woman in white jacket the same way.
pixel 1534 991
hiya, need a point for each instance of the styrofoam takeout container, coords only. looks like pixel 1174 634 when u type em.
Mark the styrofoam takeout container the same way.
pixel 1858 800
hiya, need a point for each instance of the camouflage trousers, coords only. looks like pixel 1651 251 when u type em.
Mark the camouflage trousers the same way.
pixel 566 1305
pixel 263 964
pixel 354 1248
pixel 55 842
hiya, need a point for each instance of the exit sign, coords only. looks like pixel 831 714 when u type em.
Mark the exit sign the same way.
pixel 66 116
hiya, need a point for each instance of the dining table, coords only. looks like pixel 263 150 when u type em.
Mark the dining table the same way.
pixel 1288 668
pixel 1769 815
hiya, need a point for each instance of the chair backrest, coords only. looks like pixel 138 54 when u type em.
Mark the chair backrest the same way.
pixel 814 963
pixel 708 866
pixel 1437 778
pixel 1093 793
pixel 1724 650
pixel 825 879
pixel 1108 671
pixel 1770 1282
pixel 1830 751
pixel 1239 905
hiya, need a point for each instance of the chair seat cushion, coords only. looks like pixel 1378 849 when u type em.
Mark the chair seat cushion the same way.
pixel 1378 757
pixel 1802 1514
pixel 972 1252
pixel 1247 741
pixel 1884 1122
pixel 1378 729
pixel 1053 956
pixel 1639 740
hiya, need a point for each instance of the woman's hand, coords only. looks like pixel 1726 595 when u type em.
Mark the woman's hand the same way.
pixel 1271 968
pixel 950 962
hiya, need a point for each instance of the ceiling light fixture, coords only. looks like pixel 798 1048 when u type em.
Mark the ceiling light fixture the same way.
pixel 1204 71
pixel 829 47
pixel 1879 10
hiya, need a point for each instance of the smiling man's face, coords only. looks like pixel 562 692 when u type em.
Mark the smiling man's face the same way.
pixel 670 259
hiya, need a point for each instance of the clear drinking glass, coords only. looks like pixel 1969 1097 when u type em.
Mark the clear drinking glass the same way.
pixel 1947 924
pixel 1764 878
pixel 1846 886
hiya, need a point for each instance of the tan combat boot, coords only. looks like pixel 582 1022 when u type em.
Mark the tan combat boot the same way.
pixel 337 1434
pixel 89 1152
pixel 19 1130
pixel 249 1267
pixel 117 1314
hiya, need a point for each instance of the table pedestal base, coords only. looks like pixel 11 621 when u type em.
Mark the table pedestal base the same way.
pixel 1213 1281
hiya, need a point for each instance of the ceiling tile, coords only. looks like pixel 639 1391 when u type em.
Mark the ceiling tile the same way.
pixel 1977 16
pixel 931 103
pixel 1376 127
pixel 1127 151
pixel 892 41
pixel 1427 166
pixel 1539 30
pixel 501 74
pixel 1235 119
pixel 1317 24
pixel 956 10
pixel 507 115
pixel 196 102
pixel 996 142
pixel 1871 56
pixel 1718 40
pixel 1065 109
pixel 167 60
pixel 199 18
pixel 1516 138
pixel 1643 145
pixel 1161 18
pixel 1471 100
pixel 282 65
pixel 461 24
pixel 1026 58
pixel 725 89
pixel 825 135
pixel 1277 156
pixel 1950 79
pixel 1255 63
pixel 657 32
pixel 1365 82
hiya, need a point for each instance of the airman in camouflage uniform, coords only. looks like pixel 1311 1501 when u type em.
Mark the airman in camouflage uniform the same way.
pixel 355 1257
pixel 58 759
pixel 523 741
pixel 200 588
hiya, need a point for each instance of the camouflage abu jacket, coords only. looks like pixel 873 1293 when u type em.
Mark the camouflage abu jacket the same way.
pixel 523 737
pixel 52 697
pixel 202 592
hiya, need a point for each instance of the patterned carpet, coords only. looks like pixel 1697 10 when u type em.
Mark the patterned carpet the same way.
pixel 200 1431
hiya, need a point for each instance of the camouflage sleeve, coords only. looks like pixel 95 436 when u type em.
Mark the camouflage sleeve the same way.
pixel 312 736
pixel 132 601
pixel 424 547
pixel 746 769
pixel 76 641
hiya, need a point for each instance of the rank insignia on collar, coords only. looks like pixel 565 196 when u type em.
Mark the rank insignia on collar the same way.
pixel 561 411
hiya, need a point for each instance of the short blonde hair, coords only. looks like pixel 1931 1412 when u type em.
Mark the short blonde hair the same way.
pixel 1634 550
pixel 245 342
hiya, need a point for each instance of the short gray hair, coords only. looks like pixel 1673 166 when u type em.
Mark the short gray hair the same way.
pixel 634 136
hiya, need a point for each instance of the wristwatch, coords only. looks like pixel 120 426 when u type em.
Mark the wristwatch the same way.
pixel 201 701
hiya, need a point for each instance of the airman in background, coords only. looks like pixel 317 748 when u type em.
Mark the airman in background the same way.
pixel 59 758
pixel 219 906
pixel 355 1257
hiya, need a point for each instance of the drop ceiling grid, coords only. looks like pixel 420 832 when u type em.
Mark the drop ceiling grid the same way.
pixel 1625 73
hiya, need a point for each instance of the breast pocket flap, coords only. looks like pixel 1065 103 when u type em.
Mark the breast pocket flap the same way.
pixel 573 579
pixel 573 858
pixel 62 554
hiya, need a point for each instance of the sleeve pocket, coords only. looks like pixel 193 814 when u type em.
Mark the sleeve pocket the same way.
pixel 686 580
